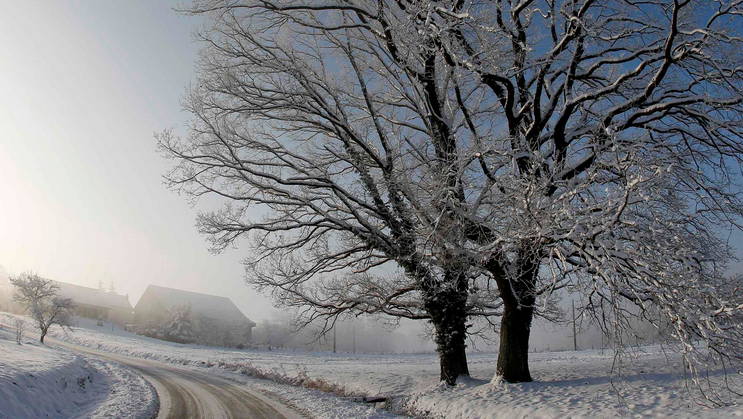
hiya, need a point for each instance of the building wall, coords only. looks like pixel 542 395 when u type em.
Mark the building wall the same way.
pixel 121 316
pixel 7 303
pixel 249 333
pixel 6 296
pixel 91 312
pixel 14 307
pixel 149 310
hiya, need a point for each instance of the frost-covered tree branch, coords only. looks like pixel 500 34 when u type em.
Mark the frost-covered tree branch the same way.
pixel 445 160
pixel 41 299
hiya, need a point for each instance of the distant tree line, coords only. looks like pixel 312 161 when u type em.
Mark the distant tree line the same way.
pixel 354 334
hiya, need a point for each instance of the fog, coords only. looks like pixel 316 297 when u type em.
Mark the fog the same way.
pixel 364 334
pixel 81 195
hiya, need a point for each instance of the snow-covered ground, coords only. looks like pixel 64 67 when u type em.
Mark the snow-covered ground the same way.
pixel 313 403
pixel 45 381
pixel 568 384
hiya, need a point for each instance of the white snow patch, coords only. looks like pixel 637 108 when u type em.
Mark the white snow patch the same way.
pixel 45 381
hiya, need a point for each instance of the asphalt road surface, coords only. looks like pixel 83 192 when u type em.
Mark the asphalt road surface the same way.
pixel 186 393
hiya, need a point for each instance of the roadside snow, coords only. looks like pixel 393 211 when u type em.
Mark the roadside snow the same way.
pixel 312 403
pixel 129 395
pixel 568 384
pixel 45 381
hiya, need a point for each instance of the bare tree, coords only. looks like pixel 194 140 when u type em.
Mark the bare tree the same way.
pixel 19 329
pixel 42 301
pixel 490 153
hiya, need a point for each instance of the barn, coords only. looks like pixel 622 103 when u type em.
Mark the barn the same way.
pixel 157 303
pixel 92 303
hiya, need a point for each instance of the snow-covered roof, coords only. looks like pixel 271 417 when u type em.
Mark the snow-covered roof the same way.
pixel 212 306
pixel 93 296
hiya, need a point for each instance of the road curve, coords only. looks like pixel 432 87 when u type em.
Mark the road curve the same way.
pixel 186 393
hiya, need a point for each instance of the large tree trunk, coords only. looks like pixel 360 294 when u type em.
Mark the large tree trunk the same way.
pixel 450 343
pixel 447 307
pixel 513 357
pixel 518 311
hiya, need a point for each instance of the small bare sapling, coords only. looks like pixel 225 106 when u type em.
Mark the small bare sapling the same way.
pixel 20 330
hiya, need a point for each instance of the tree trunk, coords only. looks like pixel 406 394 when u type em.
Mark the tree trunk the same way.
pixel 447 307
pixel 518 311
pixel 42 334
pixel 513 357
pixel 450 343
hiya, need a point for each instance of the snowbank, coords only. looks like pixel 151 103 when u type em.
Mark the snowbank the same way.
pixel 45 381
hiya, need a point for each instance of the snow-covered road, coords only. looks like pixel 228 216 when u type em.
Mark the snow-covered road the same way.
pixel 187 393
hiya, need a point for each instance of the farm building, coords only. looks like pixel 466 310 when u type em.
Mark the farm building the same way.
pixel 92 303
pixel 158 303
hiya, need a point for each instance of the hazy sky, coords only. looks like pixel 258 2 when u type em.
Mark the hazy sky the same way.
pixel 83 87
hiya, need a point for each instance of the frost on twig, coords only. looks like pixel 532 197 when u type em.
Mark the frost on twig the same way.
pixel 446 161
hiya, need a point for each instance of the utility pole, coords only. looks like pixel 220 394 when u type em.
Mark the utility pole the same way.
pixel 333 338
pixel 575 336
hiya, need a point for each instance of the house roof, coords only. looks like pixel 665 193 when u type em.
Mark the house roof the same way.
pixel 212 306
pixel 93 296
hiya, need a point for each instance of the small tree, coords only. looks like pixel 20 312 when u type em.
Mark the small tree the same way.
pixel 179 327
pixel 112 287
pixel 20 329
pixel 41 298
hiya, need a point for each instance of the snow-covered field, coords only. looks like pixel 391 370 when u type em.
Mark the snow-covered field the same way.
pixel 568 384
pixel 313 403
pixel 45 381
